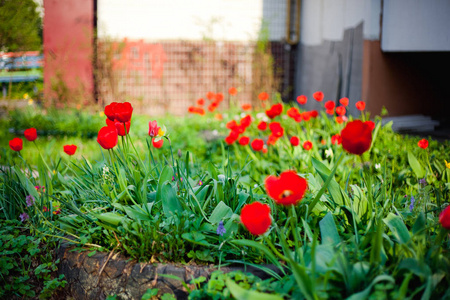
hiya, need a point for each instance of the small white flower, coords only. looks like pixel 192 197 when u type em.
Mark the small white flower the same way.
pixel 236 117
pixel 243 115
pixel 284 117
pixel 377 166
pixel 260 115
pixel 215 132
pixel 329 153
pixel 255 186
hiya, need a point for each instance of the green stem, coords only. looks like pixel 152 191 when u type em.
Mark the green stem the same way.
pixel 368 182
pixel 272 247
pixel 292 219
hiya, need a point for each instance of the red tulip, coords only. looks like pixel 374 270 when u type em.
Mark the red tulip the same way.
pixel 263 96
pixel 294 114
pixel 246 121
pixel 244 140
pixel 294 141
pixel 344 101
pixel 423 143
pixel 256 217
pixel 232 91
pixel 246 107
pixel 306 115
pixel 356 137
pixel 107 137
pixel 371 124
pixel 124 112
pixel 200 101
pixel 30 134
pixel 340 110
pixel 120 112
pixel 288 189
pixel 16 144
pixel 210 95
pixel 330 111
pixel 70 149
pixel 275 110
pixel 201 111
pixel 339 120
pixel 314 113
pixel 272 139
pixel 276 129
pixel 157 144
pixel 307 145
pixel 119 127
pixel 336 139
pixel 444 218
pixel 257 144
pixel 219 97
pixel 302 99
pixel 262 125
pixel 232 137
pixel 360 105
pixel 110 111
pixel 318 96
pixel 231 124
pixel 329 105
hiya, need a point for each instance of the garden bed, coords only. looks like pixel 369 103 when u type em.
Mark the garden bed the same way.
pixel 101 274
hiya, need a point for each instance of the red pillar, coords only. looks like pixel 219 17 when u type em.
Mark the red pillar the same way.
pixel 68 50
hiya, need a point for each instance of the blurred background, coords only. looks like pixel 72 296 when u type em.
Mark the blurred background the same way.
pixel 164 55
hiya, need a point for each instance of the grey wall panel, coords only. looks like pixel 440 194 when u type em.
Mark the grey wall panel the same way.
pixel 335 68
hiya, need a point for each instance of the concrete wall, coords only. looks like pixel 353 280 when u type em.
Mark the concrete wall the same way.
pixel 416 25
pixel 230 20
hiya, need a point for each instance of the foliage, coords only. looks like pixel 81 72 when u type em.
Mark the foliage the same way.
pixel 27 267
pixel 22 30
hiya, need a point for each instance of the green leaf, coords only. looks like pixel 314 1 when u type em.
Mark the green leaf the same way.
pixel 363 295
pixel 240 293
pixel 398 228
pixel 333 186
pixel 360 202
pixel 170 202
pixel 166 176
pixel 221 212
pixel 196 238
pixel 420 224
pixel 110 218
pixel 137 212
pixel 258 246
pixel 415 165
pixel 328 230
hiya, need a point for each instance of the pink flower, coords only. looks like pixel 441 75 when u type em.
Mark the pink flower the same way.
pixel 153 128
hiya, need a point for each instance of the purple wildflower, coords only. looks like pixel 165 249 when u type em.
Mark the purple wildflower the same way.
pixel 411 206
pixel 422 181
pixel 24 217
pixel 221 229
pixel 30 200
